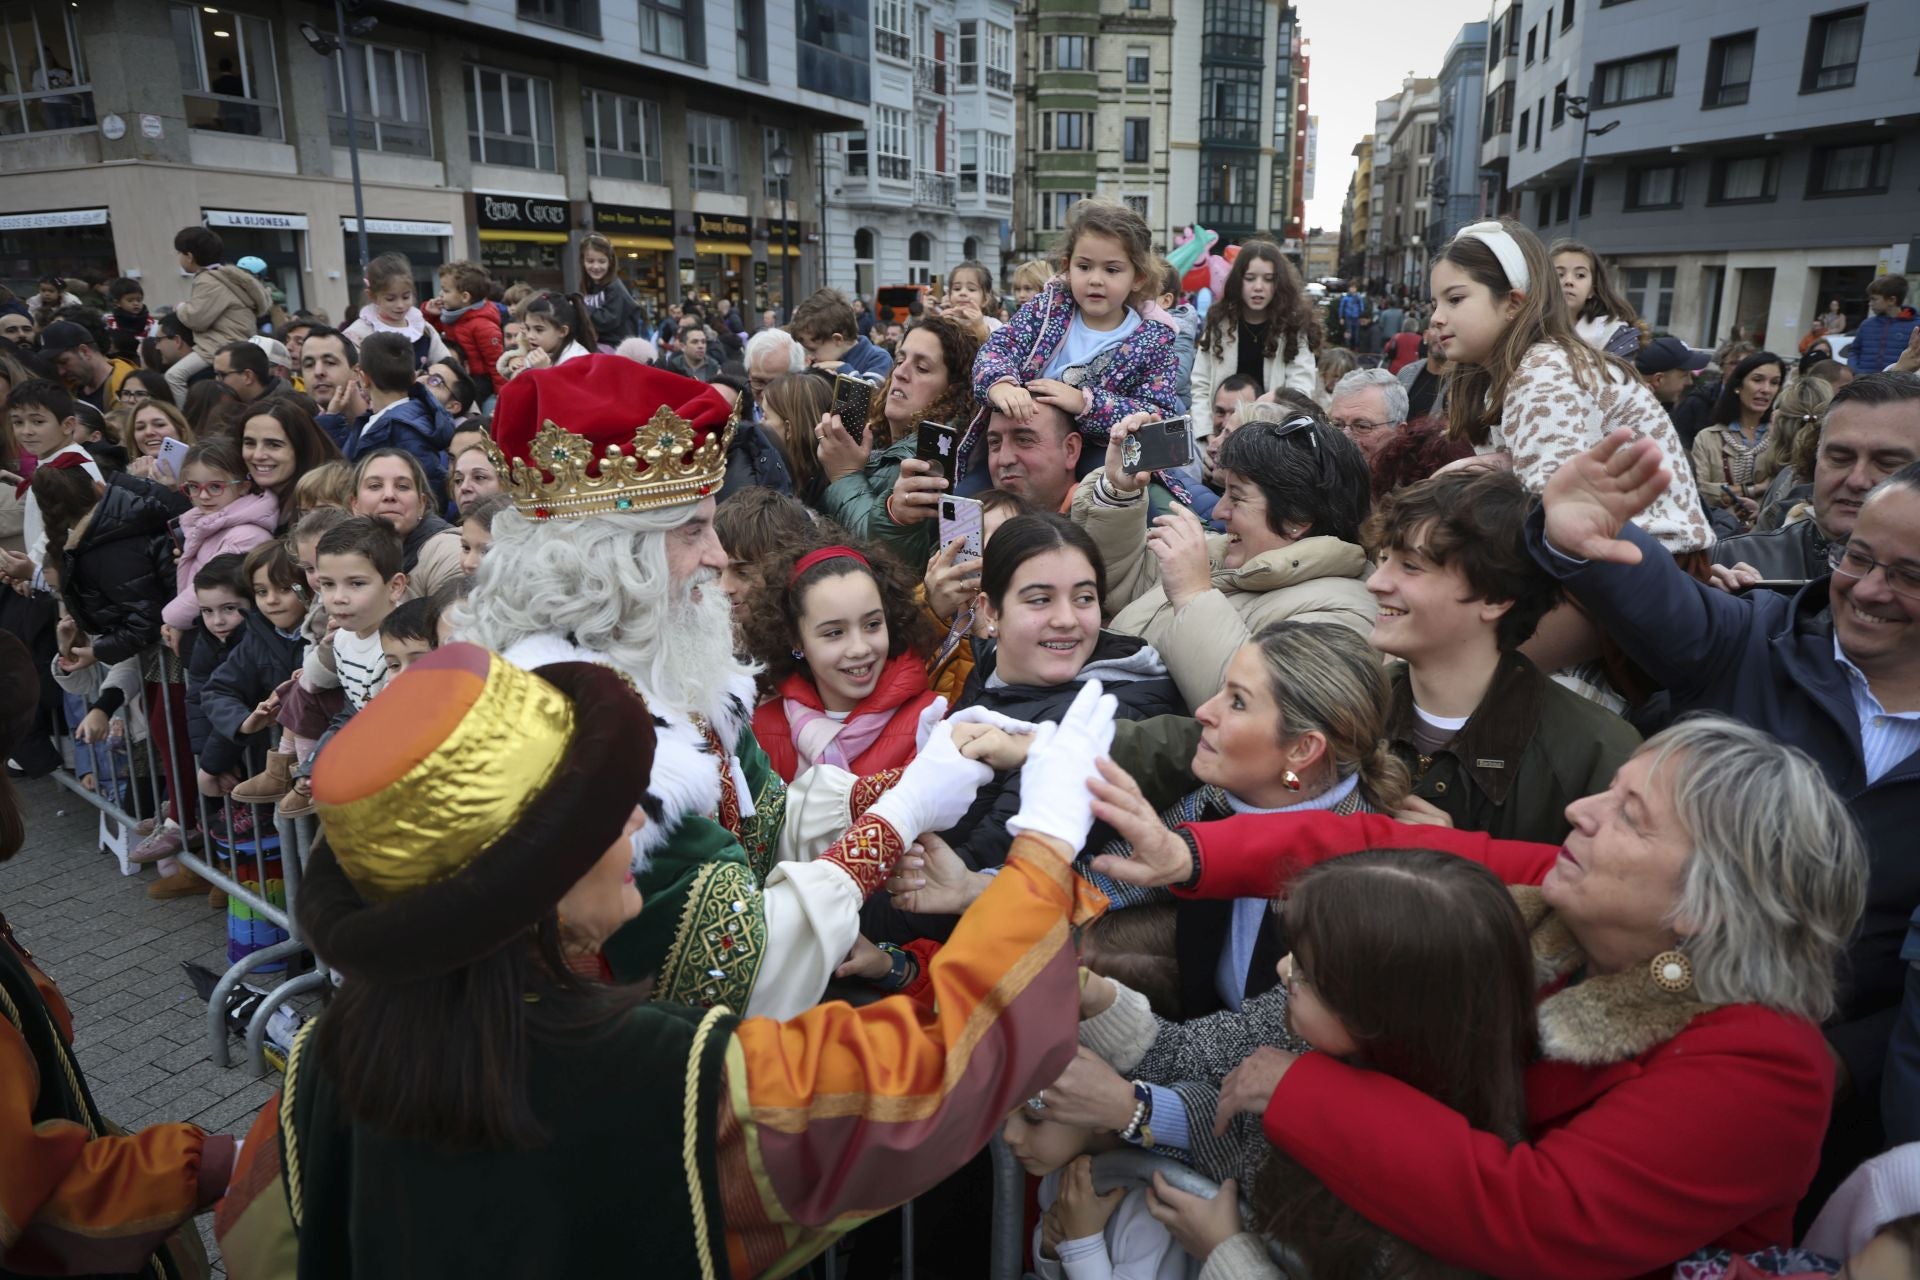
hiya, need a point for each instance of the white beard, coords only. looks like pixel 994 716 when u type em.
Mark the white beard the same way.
pixel 696 670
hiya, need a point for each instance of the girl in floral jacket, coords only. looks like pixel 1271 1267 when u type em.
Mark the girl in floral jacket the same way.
pixel 1086 343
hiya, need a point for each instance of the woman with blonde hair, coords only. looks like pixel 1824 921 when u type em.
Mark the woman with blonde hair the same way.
pixel 1792 441
pixel 145 424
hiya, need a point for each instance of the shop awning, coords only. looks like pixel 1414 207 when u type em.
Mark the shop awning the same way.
pixel 641 242
pixel 737 248
pixel 775 249
pixel 53 218
pixel 535 237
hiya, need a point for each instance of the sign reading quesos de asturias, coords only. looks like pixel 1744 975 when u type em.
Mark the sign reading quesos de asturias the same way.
pixel 521 213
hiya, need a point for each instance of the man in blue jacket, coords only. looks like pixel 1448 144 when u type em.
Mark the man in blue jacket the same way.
pixel 1883 335
pixel 401 413
pixel 1833 669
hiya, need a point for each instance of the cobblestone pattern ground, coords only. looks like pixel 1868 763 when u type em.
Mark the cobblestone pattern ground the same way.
pixel 139 1030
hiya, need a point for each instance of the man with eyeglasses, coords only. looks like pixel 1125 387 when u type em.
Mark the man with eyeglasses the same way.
pixel 452 388
pixel 1833 669
pixel 245 370
pixel 771 354
pixel 1369 406
pixel 1872 429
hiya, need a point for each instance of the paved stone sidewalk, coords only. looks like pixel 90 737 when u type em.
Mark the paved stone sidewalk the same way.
pixel 139 1030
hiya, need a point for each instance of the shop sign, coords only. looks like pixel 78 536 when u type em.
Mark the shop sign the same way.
pixel 521 213
pixel 627 220
pixel 398 227
pixel 760 273
pixel 721 226
pixel 262 221
pixel 795 232
pixel 53 218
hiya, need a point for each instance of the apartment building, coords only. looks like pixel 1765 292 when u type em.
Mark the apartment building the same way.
pixel 1456 194
pixel 1356 212
pixel 501 130
pixel 928 182
pixel 1406 182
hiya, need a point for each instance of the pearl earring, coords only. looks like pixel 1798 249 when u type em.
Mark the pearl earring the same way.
pixel 1672 972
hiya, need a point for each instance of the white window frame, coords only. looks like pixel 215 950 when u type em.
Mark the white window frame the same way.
pixel 892 144
pixel 713 147
pixel 669 15
pixel 23 76
pixel 891 37
pixel 997 159
pixel 968 68
pixel 248 98
pixel 477 133
pixel 380 115
pixel 649 156
pixel 999 56
pixel 970 157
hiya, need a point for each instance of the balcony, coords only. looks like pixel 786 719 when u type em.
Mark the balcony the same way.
pixel 893 44
pixel 933 189
pixel 1230 130
pixel 931 77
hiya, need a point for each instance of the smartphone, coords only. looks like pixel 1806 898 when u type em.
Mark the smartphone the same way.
pixel 961 518
pixel 852 400
pixel 938 444
pixel 173 454
pixel 1158 446
pixel 1775 584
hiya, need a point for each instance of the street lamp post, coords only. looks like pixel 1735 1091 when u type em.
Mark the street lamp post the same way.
pixel 327 46
pixel 1577 108
pixel 782 162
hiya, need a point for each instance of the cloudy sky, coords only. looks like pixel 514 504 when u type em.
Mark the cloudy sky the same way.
pixel 1361 52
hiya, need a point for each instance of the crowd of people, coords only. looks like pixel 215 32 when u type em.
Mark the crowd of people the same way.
pixel 1445 787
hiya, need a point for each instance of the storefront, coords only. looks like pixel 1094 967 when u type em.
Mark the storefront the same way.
pixel 427 246
pixel 278 239
pixel 523 238
pixel 722 248
pixel 784 240
pixel 642 242
pixel 75 244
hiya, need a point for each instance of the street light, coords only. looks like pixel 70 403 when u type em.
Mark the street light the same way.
pixel 1577 108
pixel 327 46
pixel 782 162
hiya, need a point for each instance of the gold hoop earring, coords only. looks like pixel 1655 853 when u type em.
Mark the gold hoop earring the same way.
pixel 1671 971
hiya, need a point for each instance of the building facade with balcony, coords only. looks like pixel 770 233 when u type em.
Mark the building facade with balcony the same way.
pixel 928 182
pixel 1356 213
pixel 1405 181
pixel 497 130
pixel 1457 198
pixel 1095 114
pixel 1753 161
pixel 1378 190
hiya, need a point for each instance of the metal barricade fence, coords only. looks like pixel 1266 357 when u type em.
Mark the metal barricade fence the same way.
pixel 143 770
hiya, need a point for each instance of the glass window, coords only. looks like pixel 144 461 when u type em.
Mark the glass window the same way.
pixel 1137 140
pixel 623 135
pixel 1230 103
pixel 1066 53
pixel 890 29
pixel 1139 204
pixel 834 44
pixel 999 161
pixel 1067 130
pixel 575 15
pixel 1744 179
pixel 999 58
pixel 510 119
pixel 771 140
pixel 750 38
pixel 892 144
pixel 664 29
pixel 1863 168
pixel 969 161
pixel 1054 206
pixel 970 51
pixel 1657 187
pixel 1139 65
pixel 713 152
pixel 226 68
pixel 1729 71
pixel 44 85
pixel 389 99
pixel 857 154
pixel 865 246
pixel 1637 79
pixel 1650 290
pixel 1833 51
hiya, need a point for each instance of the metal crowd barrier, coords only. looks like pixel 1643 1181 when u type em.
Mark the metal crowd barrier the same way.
pixel 130 769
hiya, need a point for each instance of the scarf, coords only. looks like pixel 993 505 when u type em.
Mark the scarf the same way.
pixel 819 738
pixel 449 314
pixel 58 462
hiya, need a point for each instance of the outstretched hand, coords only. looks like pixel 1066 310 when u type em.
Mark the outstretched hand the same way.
pixel 1053 782
pixel 1594 494
pixel 1159 856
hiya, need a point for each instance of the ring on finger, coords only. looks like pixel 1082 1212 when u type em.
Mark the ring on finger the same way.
pixel 1038 1102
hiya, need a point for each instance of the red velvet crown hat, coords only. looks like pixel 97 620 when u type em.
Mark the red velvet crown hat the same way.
pixel 603 434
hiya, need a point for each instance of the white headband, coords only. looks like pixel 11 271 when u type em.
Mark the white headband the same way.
pixel 1505 248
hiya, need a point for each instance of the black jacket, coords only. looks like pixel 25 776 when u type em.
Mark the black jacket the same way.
pixel 120 574
pixel 1692 413
pixel 1130 670
pixel 753 460
pixel 618 315
pixel 260 661
pixel 1797 553
pixel 204 654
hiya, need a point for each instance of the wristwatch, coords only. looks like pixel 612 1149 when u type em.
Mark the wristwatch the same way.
pixel 900 973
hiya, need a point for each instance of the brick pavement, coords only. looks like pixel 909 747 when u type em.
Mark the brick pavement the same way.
pixel 139 1029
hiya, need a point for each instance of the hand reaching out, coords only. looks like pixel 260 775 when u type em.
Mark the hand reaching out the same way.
pixel 1160 857
pixel 1198 1224
pixel 931 879
pixel 1594 494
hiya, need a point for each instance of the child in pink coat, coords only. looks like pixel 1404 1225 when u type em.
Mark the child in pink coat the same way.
pixel 227 517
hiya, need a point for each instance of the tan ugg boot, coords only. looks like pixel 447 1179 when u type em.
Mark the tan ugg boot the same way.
pixel 267 786
pixel 295 805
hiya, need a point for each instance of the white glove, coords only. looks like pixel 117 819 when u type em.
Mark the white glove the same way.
pixel 1054 800
pixel 981 715
pixel 936 712
pixel 935 791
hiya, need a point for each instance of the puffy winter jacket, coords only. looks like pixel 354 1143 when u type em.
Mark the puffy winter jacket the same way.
pixel 1129 669
pixel 858 501
pixel 224 304
pixel 236 528
pixel 1880 340
pixel 205 653
pixel 615 315
pixel 119 572
pixel 753 460
pixel 419 424
pixel 260 661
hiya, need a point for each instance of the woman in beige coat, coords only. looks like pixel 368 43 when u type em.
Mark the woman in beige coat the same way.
pixel 1295 494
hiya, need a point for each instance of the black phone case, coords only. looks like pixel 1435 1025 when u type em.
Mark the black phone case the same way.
pixel 1159 449
pixel 937 444
pixel 853 401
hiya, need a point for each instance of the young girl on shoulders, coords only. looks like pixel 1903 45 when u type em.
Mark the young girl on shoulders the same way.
pixel 1083 344
pixel 846 648
pixel 1602 318
pixel 611 309
pixel 1262 326
pixel 1525 385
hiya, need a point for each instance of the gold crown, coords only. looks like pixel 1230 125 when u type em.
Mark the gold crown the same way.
pixel 662 468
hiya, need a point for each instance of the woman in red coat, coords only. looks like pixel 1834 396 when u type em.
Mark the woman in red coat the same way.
pixel 1685 937
pixel 845 650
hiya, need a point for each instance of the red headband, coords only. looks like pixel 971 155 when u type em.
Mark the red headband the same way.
pixel 823 555
pixel 58 462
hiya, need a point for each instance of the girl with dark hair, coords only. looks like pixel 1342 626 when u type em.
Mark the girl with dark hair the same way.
pixel 558 330
pixel 203 398
pixel 1727 456
pixel 390 486
pixel 845 648
pixel 970 298
pixel 789 408
pixel 1602 318
pixel 145 384
pixel 1041 588
pixel 389 290
pixel 611 310
pixel 1294 493
pixel 280 442
pixel 1262 326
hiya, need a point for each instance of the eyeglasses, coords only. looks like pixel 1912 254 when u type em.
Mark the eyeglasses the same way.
pixel 1851 562
pixel 435 381
pixel 135 393
pixel 1351 427
pixel 212 488
pixel 1292 426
